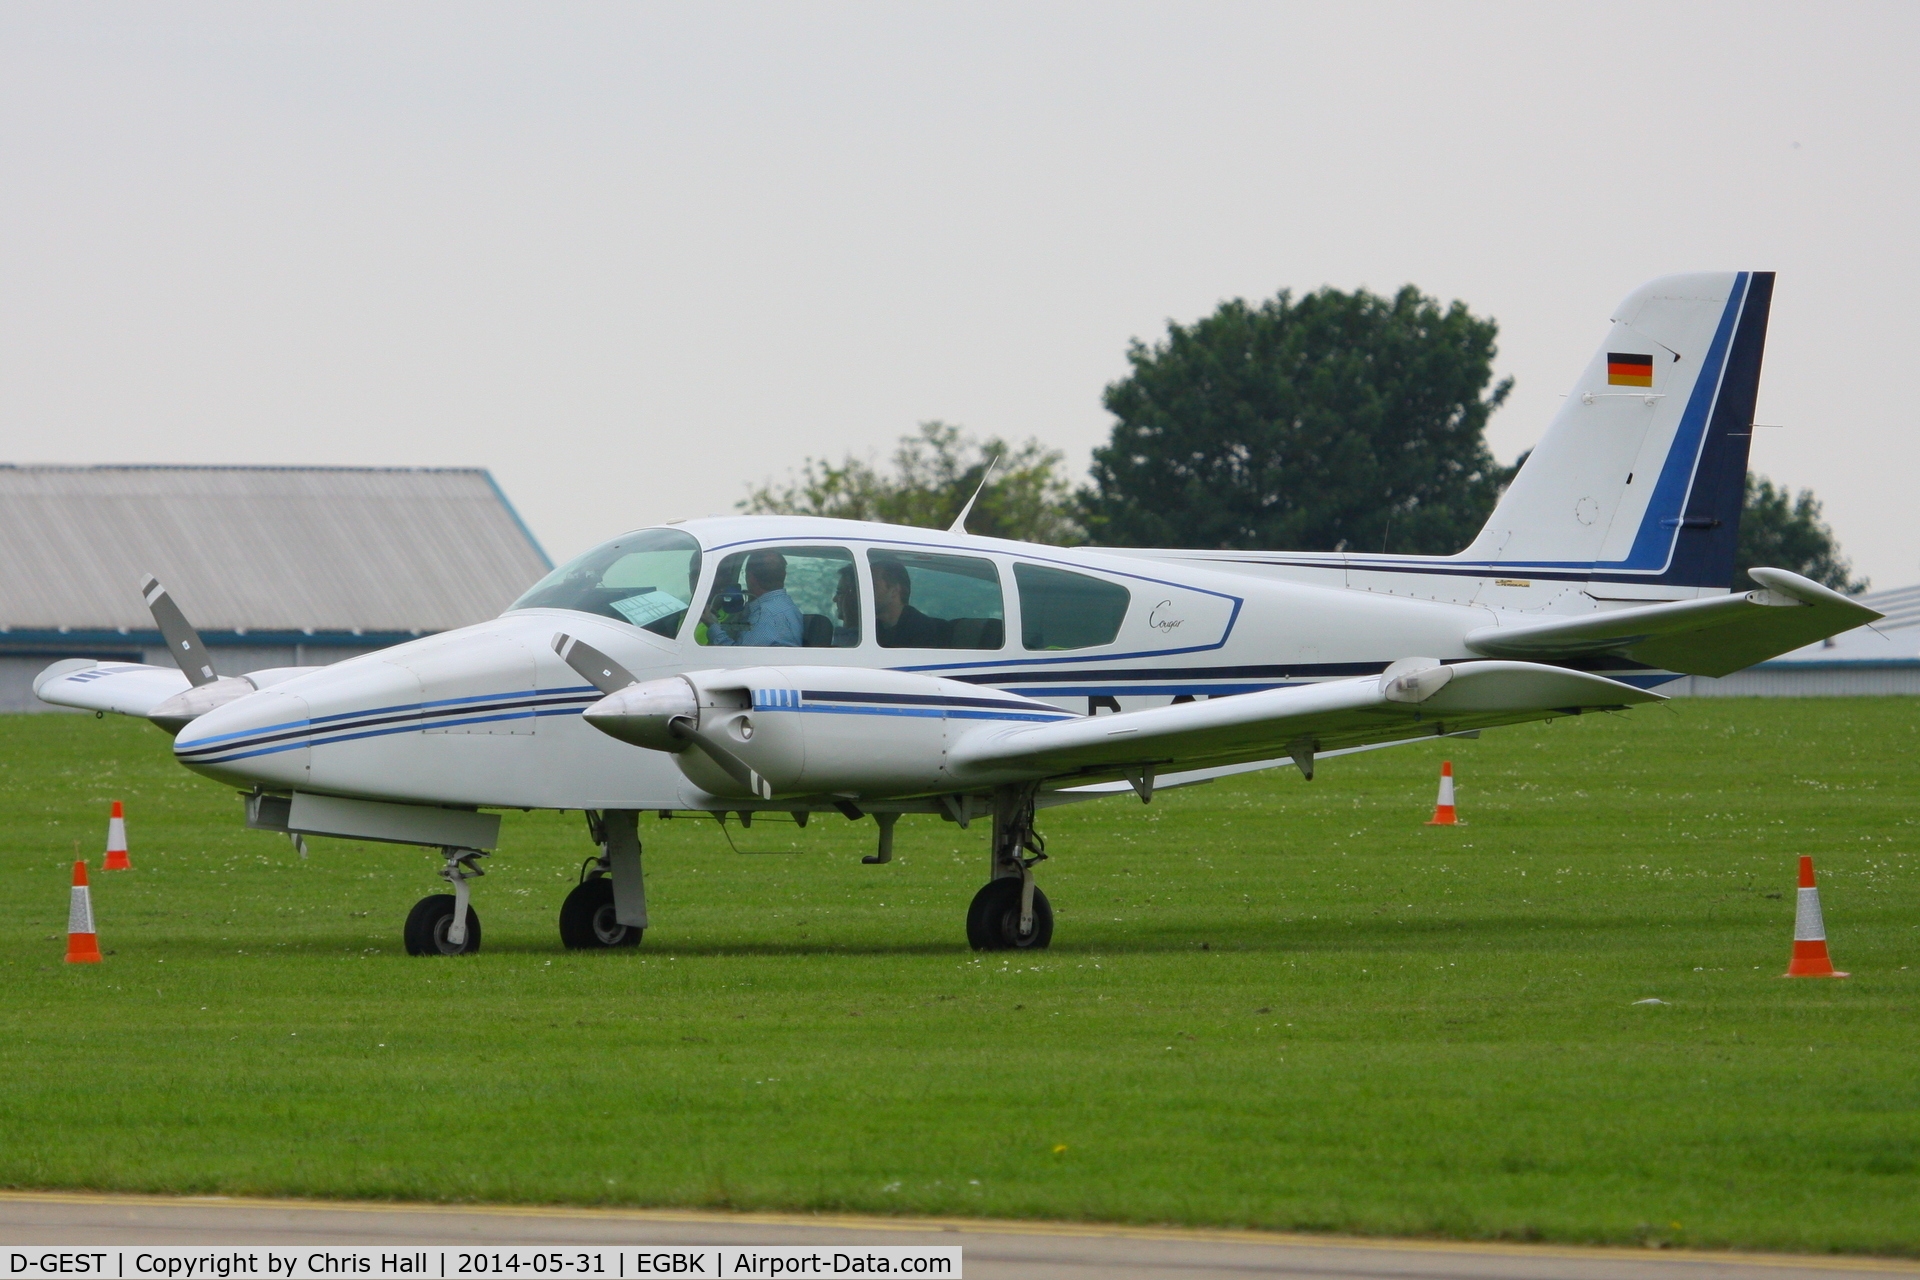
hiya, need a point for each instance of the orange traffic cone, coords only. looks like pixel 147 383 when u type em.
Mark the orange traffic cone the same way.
pixel 1810 959
pixel 117 842
pixel 1443 807
pixel 83 945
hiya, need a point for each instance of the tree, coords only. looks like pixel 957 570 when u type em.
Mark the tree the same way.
pixel 935 471
pixel 1782 531
pixel 1335 420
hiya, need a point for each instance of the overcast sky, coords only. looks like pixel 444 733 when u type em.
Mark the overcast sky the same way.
pixel 632 257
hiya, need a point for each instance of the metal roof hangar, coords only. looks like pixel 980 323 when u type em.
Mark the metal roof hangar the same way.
pixel 277 566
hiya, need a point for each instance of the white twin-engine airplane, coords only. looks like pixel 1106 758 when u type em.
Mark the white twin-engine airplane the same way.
pixel 775 664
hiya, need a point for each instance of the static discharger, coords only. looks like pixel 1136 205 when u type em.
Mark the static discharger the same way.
pixel 117 841
pixel 1443 815
pixel 83 945
pixel 1810 959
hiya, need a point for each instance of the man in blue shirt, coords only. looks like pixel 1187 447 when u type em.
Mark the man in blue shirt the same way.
pixel 772 618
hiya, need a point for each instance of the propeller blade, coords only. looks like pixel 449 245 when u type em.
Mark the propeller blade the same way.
pixel 183 642
pixel 736 768
pixel 593 666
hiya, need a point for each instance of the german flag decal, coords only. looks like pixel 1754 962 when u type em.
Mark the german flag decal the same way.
pixel 1629 371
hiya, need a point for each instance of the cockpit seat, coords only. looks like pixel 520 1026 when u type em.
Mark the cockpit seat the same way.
pixel 976 633
pixel 816 631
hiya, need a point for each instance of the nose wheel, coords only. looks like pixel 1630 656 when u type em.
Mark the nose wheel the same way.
pixel 429 923
pixel 444 924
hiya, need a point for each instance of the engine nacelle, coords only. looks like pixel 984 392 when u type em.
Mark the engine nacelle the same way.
pixel 809 731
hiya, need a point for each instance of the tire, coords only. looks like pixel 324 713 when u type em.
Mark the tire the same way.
pixel 993 921
pixel 426 931
pixel 586 919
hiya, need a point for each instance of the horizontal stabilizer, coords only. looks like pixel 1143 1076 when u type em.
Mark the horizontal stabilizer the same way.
pixel 1710 637
pixel 1414 698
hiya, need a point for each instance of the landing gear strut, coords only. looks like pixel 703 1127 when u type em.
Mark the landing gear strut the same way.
pixel 445 924
pixel 1010 912
pixel 608 908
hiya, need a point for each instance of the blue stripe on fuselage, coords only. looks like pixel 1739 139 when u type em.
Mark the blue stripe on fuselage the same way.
pixel 382 721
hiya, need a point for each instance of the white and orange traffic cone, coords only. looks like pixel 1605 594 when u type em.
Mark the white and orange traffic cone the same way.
pixel 1443 815
pixel 83 945
pixel 117 841
pixel 1810 959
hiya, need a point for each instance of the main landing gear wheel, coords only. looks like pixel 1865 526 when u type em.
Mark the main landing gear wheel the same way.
pixel 1010 913
pixel 427 925
pixel 993 921
pixel 587 921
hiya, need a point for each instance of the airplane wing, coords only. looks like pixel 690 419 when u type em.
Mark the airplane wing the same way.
pixel 1710 637
pixel 161 694
pixel 1414 698
pixel 129 688
pixel 1199 777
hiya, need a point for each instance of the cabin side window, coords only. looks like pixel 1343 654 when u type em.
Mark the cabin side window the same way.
pixel 1062 610
pixel 926 601
pixel 783 598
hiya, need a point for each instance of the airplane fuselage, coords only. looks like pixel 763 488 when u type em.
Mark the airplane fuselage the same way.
pixel 488 715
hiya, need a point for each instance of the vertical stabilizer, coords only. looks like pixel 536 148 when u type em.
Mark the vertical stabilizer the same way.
pixel 1642 474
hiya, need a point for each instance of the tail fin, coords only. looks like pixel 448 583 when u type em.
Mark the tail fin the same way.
pixel 1642 474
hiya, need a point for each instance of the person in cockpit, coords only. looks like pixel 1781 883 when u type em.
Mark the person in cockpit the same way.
pixel 896 623
pixel 772 618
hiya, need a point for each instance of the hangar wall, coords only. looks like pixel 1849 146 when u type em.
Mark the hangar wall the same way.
pixel 1803 680
pixel 275 566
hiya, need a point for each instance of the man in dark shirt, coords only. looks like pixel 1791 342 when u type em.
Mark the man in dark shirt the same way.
pixel 897 624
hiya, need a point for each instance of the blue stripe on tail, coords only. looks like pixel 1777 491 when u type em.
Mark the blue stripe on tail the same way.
pixel 1709 532
pixel 1691 527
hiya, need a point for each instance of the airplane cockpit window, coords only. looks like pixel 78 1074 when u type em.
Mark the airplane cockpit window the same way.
pixel 784 598
pixel 1061 610
pixel 927 601
pixel 646 578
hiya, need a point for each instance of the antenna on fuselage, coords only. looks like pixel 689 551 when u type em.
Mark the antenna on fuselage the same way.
pixel 959 524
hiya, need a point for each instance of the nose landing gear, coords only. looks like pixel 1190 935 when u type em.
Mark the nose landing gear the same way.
pixel 445 924
pixel 1010 913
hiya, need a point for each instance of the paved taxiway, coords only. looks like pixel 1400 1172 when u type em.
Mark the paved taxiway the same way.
pixel 994 1250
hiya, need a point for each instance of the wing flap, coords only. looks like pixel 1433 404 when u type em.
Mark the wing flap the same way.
pixel 1199 777
pixel 1711 637
pixel 1314 718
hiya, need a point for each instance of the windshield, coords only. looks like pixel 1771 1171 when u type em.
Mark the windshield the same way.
pixel 645 578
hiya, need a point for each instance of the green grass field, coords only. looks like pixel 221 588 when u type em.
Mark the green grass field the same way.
pixel 1269 1003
